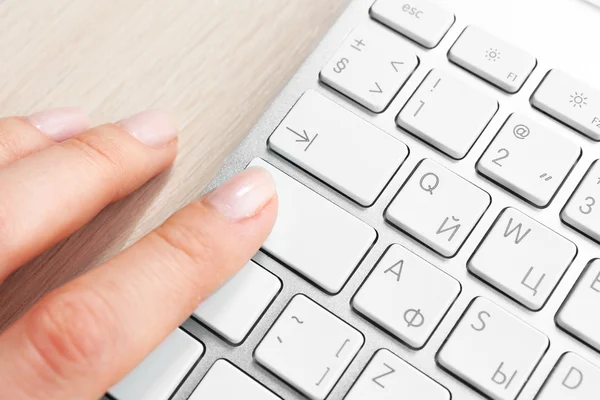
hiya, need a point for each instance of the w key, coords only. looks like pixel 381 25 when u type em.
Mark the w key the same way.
pixel 529 160
pixel 522 258
pixel 492 350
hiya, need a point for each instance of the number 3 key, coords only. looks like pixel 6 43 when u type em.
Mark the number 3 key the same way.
pixel 582 209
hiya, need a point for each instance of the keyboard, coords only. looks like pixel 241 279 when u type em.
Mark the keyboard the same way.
pixel 439 225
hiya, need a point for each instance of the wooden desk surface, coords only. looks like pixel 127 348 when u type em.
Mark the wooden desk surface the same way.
pixel 216 64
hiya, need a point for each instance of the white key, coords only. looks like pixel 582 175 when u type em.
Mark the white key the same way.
pixel 223 381
pixel 388 377
pixel 529 159
pixel 308 347
pixel 572 102
pixel 582 211
pixel 492 350
pixel 397 296
pixel 314 236
pixel 447 113
pixel 491 58
pixel 228 311
pixel 162 371
pixel 573 378
pixel 339 148
pixel 522 258
pixel 579 313
pixel 420 20
pixel 438 207
pixel 370 66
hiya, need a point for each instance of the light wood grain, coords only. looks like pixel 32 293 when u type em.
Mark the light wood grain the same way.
pixel 216 64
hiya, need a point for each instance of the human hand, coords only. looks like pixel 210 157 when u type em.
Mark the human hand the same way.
pixel 56 174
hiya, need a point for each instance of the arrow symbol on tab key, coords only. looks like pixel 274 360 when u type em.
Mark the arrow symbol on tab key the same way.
pixel 304 138
pixel 378 89
pixel 395 63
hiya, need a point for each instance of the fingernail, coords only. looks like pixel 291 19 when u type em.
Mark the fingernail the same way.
pixel 60 123
pixel 154 128
pixel 244 195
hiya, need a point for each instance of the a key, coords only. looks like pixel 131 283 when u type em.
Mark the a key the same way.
pixel 160 373
pixel 420 20
pixel 573 378
pixel 223 381
pixel 491 58
pixel 570 101
pixel 522 258
pixel 313 236
pixel 397 296
pixel 388 377
pixel 581 211
pixel 370 66
pixel 492 350
pixel 579 313
pixel 339 148
pixel 308 347
pixel 447 113
pixel 437 207
pixel 228 311
pixel 529 159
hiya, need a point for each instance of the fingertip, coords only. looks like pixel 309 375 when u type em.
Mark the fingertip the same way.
pixel 60 123
pixel 245 195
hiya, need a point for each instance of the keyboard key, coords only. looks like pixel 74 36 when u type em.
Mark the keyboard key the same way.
pixel 388 377
pixel 397 296
pixel 420 20
pixel 161 372
pixel 339 148
pixel 572 102
pixel 573 378
pixel 437 207
pixel 370 66
pixel 498 62
pixel 492 350
pixel 228 311
pixel 581 211
pixel 529 160
pixel 297 350
pixel 538 257
pixel 223 381
pixel 447 113
pixel 579 313
pixel 313 236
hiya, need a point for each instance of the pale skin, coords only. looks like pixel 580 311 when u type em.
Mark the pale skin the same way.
pixel 82 338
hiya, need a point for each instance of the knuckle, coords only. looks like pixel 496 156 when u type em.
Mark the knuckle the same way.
pixel 102 151
pixel 187 238
pixel 11 146
pixel 69 331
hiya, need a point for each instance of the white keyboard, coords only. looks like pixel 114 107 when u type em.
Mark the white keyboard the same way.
pixel 438 234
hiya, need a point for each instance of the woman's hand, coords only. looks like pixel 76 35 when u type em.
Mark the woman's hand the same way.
pixel 56 174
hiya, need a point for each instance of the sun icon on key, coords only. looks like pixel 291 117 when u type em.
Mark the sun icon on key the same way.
pixel 578 100
pixel 492 54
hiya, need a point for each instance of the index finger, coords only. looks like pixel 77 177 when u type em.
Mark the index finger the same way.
pixel 84 337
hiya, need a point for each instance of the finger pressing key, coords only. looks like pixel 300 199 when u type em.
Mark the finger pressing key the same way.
pixel 85 336
pixel 50 194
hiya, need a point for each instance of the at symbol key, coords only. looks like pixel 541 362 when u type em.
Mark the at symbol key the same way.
pixel 529 159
